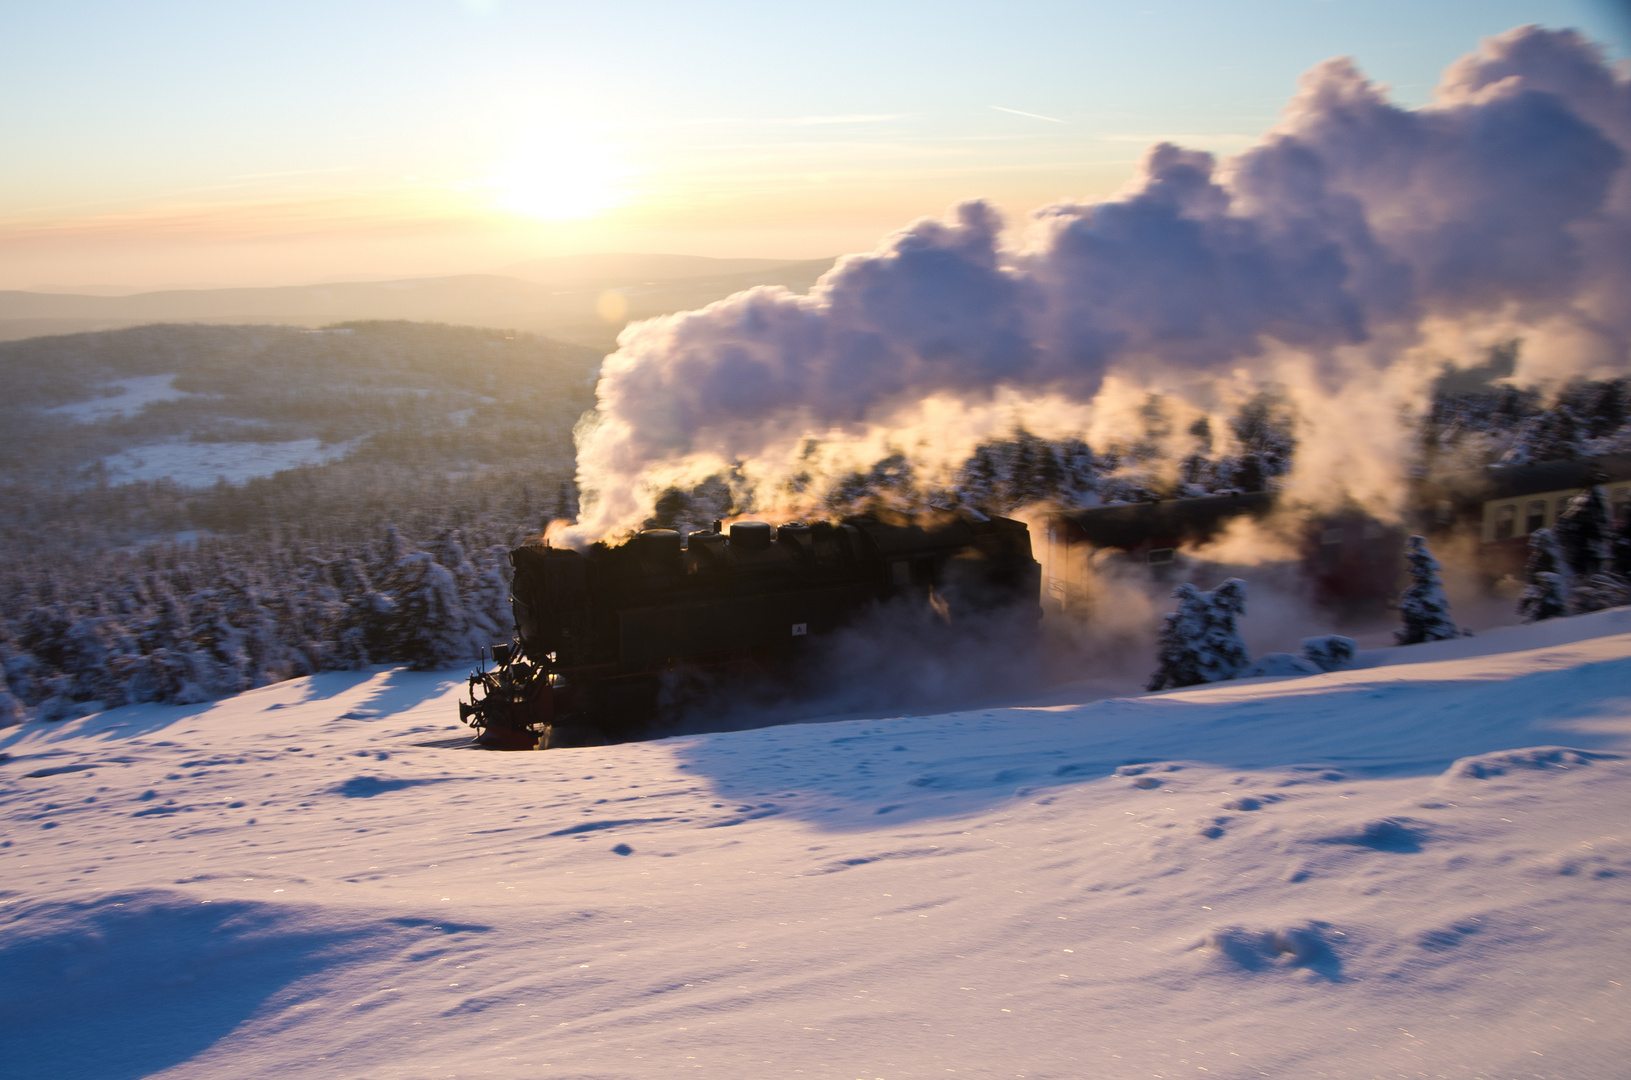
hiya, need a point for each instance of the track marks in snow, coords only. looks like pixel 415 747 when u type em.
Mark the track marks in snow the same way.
pixel 1527 761
pixel 596 826
pixel 840 865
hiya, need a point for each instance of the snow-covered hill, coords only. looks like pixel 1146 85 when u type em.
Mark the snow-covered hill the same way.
pixel 1393 871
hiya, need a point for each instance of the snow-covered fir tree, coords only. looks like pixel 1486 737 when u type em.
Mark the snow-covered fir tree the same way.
pixel 1264 428
pixel 1546 589
pixel 1604 589
pixel 1587 537
pixel 1330 652
pixel 427 623
pixel 11 709
pixel 1423 607
pixel 1583 532
pixel 565 507
pixel 1469 427
pixel 1201 642
pixel 1619 545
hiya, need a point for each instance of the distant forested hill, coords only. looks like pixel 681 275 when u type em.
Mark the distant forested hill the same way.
pixel 81 409
pixel 196 509
pixel 585 299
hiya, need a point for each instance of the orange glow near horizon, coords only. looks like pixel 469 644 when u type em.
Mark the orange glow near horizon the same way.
pixel 417 228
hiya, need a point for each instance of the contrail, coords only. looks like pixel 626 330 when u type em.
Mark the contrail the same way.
pixel 1032 115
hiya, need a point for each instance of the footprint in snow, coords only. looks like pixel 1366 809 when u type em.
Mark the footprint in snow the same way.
pixel 1400 835
pixel 1307 947
pixel 1530 760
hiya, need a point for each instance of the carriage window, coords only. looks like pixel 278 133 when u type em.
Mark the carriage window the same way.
pixel 1373 531
pixel 1331 536
pixel 900 572
pixel 1506 517
pixel 1159 556
pixel 1446 511
pixel 1535 517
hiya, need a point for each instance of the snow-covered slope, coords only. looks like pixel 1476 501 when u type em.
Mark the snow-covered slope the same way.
pixel 1370 873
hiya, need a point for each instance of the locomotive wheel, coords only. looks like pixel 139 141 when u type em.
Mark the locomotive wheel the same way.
pixel 497 738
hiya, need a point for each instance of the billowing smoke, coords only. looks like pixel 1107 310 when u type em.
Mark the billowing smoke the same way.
pixel 1341 259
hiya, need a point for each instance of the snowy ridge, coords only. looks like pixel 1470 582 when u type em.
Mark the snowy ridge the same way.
pixel 1416 867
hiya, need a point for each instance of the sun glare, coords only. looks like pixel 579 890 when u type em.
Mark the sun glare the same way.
pixel 559 176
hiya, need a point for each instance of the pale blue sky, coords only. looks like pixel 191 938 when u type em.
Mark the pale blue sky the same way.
pixel 299 140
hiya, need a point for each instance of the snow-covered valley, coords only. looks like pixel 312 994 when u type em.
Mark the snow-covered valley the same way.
pixel 1366 873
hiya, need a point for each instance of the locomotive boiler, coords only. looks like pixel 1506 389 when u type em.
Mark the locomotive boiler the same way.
pixel 603 636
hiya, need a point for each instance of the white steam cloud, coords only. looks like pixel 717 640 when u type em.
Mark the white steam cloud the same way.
pixel 1355 245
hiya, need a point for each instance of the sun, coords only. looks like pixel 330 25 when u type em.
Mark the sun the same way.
pixel 559 176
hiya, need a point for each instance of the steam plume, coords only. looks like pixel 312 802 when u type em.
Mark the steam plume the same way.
pixel 1355 242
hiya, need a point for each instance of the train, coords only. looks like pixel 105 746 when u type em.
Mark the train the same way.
pixel 1350 562
pixel 1502 506
pixel 604 636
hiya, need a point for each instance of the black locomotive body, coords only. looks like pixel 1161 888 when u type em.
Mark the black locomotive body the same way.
pixel 603 636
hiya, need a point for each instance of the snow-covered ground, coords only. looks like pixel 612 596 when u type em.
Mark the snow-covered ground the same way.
pixel 189 463
pixel 200 464
pixel 128 397
pixel 1370 873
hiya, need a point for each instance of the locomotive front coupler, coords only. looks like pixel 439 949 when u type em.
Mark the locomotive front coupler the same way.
pixel 507 703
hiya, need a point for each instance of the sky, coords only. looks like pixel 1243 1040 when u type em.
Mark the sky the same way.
pixel 202 144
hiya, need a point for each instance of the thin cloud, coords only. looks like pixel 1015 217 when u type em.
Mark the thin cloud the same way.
pixel 1032 115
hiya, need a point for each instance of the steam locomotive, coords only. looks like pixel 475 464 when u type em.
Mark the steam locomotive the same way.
pixel 603 636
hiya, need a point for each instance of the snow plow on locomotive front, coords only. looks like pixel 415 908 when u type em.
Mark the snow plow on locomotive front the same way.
pixel 604 636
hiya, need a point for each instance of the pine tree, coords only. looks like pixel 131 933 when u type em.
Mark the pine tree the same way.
pixel 1196 472
pixel 1264 427
pixel 668 511
pixel 1620 545
pixel 1599 407
pixel 1545 595
pixel 17 671
pixel 566 506
pixel 1601 590
pixel 488 604
pixel 1330 652
pixel 1423 606
pixel 427 623
pixel 1582 532
pixel 1592 548
pixel 1079 485
pixel 1200 642
pixel 11 709
pixel 977 482
pixel 363 636
pixel 1554 435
